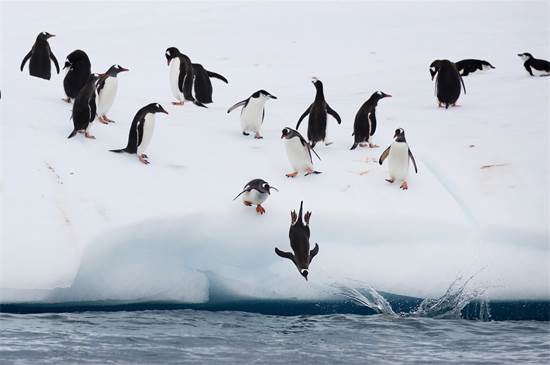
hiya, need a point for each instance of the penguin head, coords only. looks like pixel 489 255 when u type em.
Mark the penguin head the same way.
pixel 525 56
pixel 267 188
pixel 263 94
pixel 287 133
pixel 171 53
pixel 156 108
pixel 304 273
pixel 43 36
pixel 399 134
pixel 434 68
pixel 114 70
pixel 381 95
pixel 316 82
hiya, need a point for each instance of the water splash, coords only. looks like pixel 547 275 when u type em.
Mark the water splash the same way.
pixel 366 296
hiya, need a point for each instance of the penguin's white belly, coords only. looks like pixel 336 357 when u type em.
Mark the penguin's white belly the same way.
pixel 174 77
pixel 539 72
pixel 298 155
pixel 255 197
pixel 251 116
pixel 106 96
pixel 398 161
pixel 148 129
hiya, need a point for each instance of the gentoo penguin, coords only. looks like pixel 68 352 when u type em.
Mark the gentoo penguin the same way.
pixel 534 66
pixel 298 151
pixel 40 55
pixel 141 131
pixel 317 123
pixel 299 242
pixel 468 66
pixel 181 76
pixel 253 112
pixel 202 84
pixel 85 107
pixel 255 193
pixel 78 69
pixel 447 83
pixel 106 92
pixel 398 154
pixel 365 121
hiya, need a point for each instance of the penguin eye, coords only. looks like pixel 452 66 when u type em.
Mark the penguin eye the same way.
pixel 266 186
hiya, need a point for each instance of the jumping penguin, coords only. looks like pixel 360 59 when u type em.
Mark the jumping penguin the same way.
pixel 78 69
pixel 447 83
pixel 181 77
pixel 253 112
pixel 365 121
pixel 298 151
pixel 141 131
pixel 317 123
pixel 202 84
pixel 40 56
pixel 85 107
pixel 106 92
pixel 534 66
pixel 468 66
pixel 398 154
pixel 299 242
pixel 255 192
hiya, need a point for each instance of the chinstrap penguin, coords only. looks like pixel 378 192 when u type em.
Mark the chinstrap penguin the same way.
pixel 253 112
pixel 85 107
pixel 468 66
pixel 398 155
pixel 77 72
pixel 255 192
pixel 181 77
pixel 106 92
pixel 364 126
pixel 298 151
pixel 534 66
pixel 202 84
pixel 40 56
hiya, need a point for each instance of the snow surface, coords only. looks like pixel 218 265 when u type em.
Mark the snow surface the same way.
pixel 153 231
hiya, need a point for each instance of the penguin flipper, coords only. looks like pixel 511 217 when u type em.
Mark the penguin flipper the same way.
pixel 285 255
pixel 73 133
pixel 384 155
pixel 119 151
pixel 413 161
pixel 462 81
pixel 303 116
pixel 217 76
pixel 240 103
pixel 355 144
pixel 313 252
pixel 52 56
pixel 198 103
pixel 246 189
pixel 372 119
pixel 333 113
pixel 25 59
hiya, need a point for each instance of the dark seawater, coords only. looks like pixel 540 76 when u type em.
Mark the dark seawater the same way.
pixel 193 336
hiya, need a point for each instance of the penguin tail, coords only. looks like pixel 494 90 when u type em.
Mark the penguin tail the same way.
pixel 300 212
pixel 313 173
pixel 198 103
pixel 118 151
pixel 354 146
pixel 73 133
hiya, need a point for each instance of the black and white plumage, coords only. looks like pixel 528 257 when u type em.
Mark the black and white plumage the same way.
pixel 106 92
pixel 364 126
pixel 298 151
pixel 85 107
pixel 253 112
pixel 317 122
pixel 468 66
pixel 535 66
pixel 202 84
pixel 40 56
pixel 398 155
pixel 447 82
pixel 77 72
pixel 141 131
pixel 255 192
pixel 181 77
pixel 299 234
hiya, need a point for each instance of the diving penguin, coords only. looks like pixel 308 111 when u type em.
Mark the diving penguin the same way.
pixel 534 66
pixel 447 83
pixel 253 112
pixel 398 155
pixel 299 242
pixel 255 192
pixel 106 92
pixel 298 151
pixel 202 84
pixel 40 56
pixel 85 107
pixel 78 69
pixel 181 77
pixel 365 121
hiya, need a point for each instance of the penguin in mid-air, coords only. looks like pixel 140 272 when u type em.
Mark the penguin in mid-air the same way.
pixel 447 82
pixel 534 66
pixel 365 121
pixel 181 77
pixel 141 131
pixel 85 107
pixel 106 92
pixel 299 242
pixel 398 155
pixel 298 151
pixel 77 72
pixel 468 66
pixel 202 84
pixel 317 123
pixel 255 192
pixel 253 112
pixel 40 56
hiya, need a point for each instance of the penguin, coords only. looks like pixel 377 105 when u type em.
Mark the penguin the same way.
pixel 447 83
pixel 255 192
pixel 317 123
pixel 253 112
pixel 106 92
pixel 77 72
pixel 534 66
pixel 365 121
pixel 298 151
pixel 181 77
pixel 85 107
pixel 398 154
pixel 141 131
pixel 468 66
pixel 40 56
pixel 299 242
pixel 202 84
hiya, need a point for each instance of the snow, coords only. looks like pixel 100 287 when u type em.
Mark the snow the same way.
pixel 70 204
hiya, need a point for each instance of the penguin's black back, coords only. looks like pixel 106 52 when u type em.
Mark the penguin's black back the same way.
pixel 361 126
pixel 448 83
pixel 84 108
pixel 203 85
pixel 317 122
pixel 299 241
pixel 39 63
pixel 79 73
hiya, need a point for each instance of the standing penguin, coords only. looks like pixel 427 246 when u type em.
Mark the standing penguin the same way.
pixel 365 121
pixel 202 84
pixel 398 154
pixel 78 69
pixel 85 107
pixel 447 83
pixel 141 131
pixel 106 92
pixel 468 66
pixel 299 242
pixel 253 112
pixel 317 123
pixel 298 151
pixel 255 193
pixel 40 55
pixel 181 77
pixel 534 66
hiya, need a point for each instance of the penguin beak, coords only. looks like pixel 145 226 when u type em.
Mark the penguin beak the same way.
pixel 167 62
pixel 274 188
pixel 163 111
pixel 272 96
pixel 122 69
pixel 387 95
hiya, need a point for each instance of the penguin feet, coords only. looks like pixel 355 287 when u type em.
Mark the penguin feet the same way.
pixel 248 204
pixel 390 181
pixel 88 135
pixel 257 136
pixel 143 159
pixel 245 134
pixel 293 174
pixel 260 210
pixel 372 145
pixel 363 144
pixel 103 119
pixel 179 103
pixel 67 99
pixel 404 185
pixel 328 143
